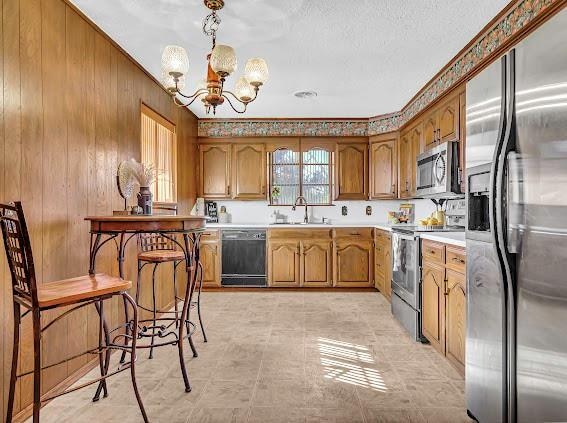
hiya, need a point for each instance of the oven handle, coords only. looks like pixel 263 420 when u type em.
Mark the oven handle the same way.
pixel 405 237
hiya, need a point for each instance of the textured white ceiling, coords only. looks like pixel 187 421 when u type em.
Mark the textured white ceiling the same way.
pixel 364 57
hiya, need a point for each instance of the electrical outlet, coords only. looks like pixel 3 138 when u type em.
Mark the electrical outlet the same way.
pixel 368 210
pixel 344 210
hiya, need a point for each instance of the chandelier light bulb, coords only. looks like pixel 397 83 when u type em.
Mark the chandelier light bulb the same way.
pixel 174 61
pixel 243 90
pixel 223 60
pixel 256 71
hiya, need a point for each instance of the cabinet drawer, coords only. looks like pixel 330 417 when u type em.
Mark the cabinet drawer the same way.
pixel 210 234
pixel 353 233
pixel 433 251
pixel 382 237
pixel 456 259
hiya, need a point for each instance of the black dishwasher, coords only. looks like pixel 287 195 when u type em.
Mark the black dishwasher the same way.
pixel 243 257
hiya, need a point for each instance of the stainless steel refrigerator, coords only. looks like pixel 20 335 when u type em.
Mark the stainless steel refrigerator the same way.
pixel 516 349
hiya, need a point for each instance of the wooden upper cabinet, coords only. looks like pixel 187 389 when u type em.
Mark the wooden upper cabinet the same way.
pixel 351 171
pixel 463 140
pixel 430 130
pixel 316 263
pixel 443 122
pixel 404 167
pixel 383 169
pixel 284 263
pixel 214 173
pixel 448 116
pixel 416 145
pixel 456 318
pixel 353 263
pixel 433 304
pixel 249 172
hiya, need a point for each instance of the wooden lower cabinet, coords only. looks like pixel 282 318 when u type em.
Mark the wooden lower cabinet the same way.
pixel 284 263
pixel 433 304
pixel 210 257
pixel 444 300
pixel 456 318
pixel 353 263
pixel 316 263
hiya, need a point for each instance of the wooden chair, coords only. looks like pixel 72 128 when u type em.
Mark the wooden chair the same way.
pixel 72 294
pixel 156 249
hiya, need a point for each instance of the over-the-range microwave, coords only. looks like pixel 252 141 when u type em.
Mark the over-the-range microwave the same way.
pixel 438 172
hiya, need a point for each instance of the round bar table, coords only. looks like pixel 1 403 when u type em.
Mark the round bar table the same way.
pixel 121 229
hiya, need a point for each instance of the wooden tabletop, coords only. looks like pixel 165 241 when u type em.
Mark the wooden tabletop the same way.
pixel 145 223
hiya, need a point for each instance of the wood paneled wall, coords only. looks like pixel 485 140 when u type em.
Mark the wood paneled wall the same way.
pixel 70 113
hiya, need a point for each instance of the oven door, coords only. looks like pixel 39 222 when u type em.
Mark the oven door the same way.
pixel 405 268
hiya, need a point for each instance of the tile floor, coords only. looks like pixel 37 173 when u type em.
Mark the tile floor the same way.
pixel 286 357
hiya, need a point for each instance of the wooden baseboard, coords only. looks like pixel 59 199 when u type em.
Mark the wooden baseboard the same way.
pixel 295 289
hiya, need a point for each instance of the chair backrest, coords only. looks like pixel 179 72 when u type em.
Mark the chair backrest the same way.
pixel 153 242
pixel 18 251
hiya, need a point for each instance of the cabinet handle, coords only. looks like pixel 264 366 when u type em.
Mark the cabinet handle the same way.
pixel 393 189
pixel 438 135
pixel 458 260
pixel 407 185
pixel 432 252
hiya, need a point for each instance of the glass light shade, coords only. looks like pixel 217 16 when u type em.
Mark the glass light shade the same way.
pixel 223 60
pixel 169 83
pixel 174 60
pixel 243 90
pixel 256 71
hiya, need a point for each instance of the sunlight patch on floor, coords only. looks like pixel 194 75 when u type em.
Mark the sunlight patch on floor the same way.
pixel 348 363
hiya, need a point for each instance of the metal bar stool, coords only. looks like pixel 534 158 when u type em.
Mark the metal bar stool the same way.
pixel 77 293
pixel 155 249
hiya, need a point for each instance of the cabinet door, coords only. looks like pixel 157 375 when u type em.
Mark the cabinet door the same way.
pixel 449 123
pixel 383 169
pixel 210 260
pixel 352 172
pixel 388 269
pixel 283 263
pixel 249 167
pixel 316 263
pixel 214 175
pixel 353 263
pixel 405 166
pixel 433 304
pixel 430 130
pixel 456 318
pixel 379 269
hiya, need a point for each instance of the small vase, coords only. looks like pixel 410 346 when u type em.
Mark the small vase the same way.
pixel 145 200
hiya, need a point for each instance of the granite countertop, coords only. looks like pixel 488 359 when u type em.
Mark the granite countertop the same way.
pixel 453 238
pixel 383 226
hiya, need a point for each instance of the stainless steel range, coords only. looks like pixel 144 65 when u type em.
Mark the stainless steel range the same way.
pixel 406 268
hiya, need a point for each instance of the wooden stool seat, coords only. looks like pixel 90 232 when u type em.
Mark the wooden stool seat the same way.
pixel 161 256
pixel 69 291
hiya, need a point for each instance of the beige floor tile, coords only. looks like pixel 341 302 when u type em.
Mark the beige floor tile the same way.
pixel 400 415
pixel 171 392
pixel 276 415
pixel 445 415
pixel 333 415
pixel 431 394
pixel 331 394
pixel 384 399
pixel 239 370
pixel 280 393
pixel 419 371
pixel 219 415
pixel 227 394
pixel 282 369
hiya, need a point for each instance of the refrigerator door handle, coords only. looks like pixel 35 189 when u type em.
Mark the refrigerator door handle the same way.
pixel 514 203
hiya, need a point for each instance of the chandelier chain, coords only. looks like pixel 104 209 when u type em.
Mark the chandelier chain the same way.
pixel 211 24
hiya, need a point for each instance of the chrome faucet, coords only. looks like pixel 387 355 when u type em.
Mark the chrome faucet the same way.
pixel 305 218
